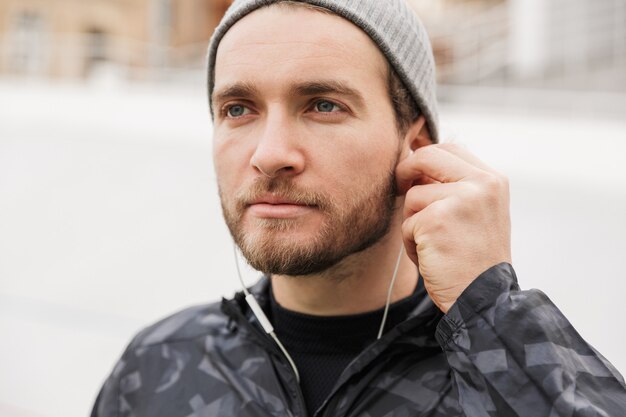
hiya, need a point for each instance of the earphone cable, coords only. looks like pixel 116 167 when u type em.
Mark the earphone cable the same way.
pixel 389 291
pixel 263 320
pixel 269 329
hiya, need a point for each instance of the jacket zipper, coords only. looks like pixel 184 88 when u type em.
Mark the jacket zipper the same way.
pixel 270 345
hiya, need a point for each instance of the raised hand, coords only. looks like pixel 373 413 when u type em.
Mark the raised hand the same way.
pixel 456 218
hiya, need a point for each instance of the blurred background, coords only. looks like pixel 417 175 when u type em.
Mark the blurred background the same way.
pixel 109 217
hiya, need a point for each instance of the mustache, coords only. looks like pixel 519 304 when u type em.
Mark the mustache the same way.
pixel 284 188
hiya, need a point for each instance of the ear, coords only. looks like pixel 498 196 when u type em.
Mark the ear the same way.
pixel 416 136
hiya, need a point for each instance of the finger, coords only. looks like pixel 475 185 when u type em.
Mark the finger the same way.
pixel 408 238
pixel 418 181
pixel 411 231
pixel 435 163
pixel 421 196
pixel 466 155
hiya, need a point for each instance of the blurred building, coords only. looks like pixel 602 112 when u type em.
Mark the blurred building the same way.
pixel 567 44
pixel 78 38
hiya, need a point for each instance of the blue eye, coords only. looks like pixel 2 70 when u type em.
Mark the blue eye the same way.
pixel 324 106
pixel 236 110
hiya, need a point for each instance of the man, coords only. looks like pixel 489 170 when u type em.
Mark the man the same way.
pixel 324 124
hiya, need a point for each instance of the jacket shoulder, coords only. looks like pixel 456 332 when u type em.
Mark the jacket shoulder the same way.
pixel 189 323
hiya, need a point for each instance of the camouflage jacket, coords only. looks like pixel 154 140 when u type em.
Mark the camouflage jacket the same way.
pixel 498 352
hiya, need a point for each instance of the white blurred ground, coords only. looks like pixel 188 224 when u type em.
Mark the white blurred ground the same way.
pixel 109 219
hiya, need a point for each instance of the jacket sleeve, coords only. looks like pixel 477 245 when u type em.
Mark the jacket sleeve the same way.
pixel 513 353
pixel 107 403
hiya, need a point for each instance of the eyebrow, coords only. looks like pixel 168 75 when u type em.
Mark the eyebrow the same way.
pixel 306 89
pixel 237 90
pixel 321 87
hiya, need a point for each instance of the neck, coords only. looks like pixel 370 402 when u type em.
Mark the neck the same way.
pixel 357 284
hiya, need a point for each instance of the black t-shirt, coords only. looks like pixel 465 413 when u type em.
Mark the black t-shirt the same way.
pixel 323 346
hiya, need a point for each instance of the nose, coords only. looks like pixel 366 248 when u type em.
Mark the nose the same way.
pixel 278 151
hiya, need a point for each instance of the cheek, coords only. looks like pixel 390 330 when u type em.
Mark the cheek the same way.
pixel 220 162
pixel 373 153
pixel 230 159
pixel 358 167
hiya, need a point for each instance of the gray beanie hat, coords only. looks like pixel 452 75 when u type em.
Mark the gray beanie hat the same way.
pixel 392 26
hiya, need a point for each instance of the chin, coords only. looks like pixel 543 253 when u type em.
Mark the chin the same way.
pixel 287 227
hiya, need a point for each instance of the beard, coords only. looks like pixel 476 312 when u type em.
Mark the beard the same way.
pixel 350 225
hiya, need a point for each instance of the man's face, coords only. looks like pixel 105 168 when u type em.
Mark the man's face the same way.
pixel 305 141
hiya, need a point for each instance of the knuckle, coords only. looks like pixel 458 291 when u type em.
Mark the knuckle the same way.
pixel 491 182
pixel 412 199
pixel 407 228
pixel 410 196
pixel 440 215
pixel 491 190
pixel 495 183
pixel 472 196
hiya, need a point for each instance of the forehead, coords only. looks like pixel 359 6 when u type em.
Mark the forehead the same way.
pixel 296 42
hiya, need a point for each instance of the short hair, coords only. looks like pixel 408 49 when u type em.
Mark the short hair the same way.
pixel 404 107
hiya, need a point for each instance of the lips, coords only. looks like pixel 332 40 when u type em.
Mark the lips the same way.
pixel 273 206
pixel 275 200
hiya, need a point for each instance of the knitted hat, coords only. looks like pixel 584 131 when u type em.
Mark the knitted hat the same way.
pixel 396 30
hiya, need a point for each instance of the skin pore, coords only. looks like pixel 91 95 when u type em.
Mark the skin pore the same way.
pixel 305 148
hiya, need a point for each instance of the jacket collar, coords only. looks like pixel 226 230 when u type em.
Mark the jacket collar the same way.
pixel 425 311
pixel 417 332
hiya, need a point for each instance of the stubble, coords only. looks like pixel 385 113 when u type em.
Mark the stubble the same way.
pixel 350 224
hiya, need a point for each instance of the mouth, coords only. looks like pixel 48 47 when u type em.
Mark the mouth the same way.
pixel 277 207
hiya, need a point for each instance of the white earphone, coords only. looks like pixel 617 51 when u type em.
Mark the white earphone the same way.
pixel 269 329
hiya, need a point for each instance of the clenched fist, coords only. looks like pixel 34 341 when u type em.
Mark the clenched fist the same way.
pixel 456 218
